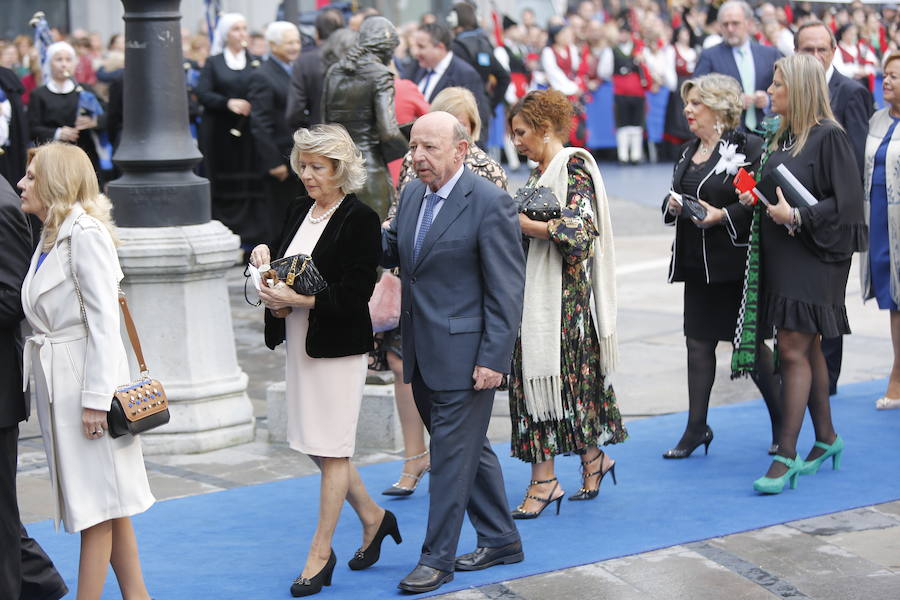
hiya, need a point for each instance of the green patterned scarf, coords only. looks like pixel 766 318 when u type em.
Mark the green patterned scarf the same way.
pixel 746 335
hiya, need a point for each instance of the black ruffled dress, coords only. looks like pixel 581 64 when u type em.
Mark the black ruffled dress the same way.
pixel 805 276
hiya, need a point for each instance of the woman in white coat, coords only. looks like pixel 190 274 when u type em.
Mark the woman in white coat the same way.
pixel 77 358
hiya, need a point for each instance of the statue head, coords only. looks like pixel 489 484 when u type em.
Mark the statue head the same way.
pixel 379 36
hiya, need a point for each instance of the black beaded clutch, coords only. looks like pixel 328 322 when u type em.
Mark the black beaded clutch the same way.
pixel 538 204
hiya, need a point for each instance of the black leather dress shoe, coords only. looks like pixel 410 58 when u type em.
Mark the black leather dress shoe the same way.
pixel 483 558
pixel 424 579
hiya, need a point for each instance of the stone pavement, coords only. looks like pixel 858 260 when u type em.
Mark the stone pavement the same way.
pixel 853 554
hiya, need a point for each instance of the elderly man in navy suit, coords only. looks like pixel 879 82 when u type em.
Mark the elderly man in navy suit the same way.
pixel 268 92
pixel 852 105
pixel 439 68
pixel 739 56
pixel 457 241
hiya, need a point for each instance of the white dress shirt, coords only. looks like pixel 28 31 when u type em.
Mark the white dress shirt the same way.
pixel 444 192
pixel 436 73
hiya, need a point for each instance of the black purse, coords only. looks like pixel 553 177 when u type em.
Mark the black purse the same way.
pixel 538 204
pixel 299 272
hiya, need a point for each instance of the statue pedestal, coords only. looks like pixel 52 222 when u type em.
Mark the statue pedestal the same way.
pixel 177 292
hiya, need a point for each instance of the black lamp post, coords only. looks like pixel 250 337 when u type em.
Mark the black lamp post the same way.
pixel 157 153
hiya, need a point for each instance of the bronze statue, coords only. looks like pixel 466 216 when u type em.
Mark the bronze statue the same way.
pixel 359 94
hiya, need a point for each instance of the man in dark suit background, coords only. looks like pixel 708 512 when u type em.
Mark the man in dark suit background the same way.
pixel 739 56
pixel 457 241
pixel 851 102
pixel 439 68
pixel 852 105
pixel 26 573
pixel 273 136
pixel 472 45
pixel 12 158
pixel 304 100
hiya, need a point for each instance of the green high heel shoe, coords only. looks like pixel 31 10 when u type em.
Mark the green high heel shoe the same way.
pixel 835 450
pixel 775 485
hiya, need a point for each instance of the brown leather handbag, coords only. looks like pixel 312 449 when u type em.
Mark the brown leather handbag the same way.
pixel 141 405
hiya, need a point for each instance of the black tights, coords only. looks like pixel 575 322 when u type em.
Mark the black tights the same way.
pixel 701 360
pixel 805 384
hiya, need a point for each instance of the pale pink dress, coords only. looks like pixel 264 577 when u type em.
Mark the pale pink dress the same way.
pixel 323 394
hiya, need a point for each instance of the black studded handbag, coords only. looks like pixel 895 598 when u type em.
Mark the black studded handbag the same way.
pixel 538 203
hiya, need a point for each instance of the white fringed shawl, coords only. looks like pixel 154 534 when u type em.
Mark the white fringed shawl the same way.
pixel 541 337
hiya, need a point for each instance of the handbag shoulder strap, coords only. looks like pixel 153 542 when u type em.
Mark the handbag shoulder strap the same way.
pixel 123 304
pixel 132 333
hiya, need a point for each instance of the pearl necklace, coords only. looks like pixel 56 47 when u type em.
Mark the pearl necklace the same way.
pixel 325 215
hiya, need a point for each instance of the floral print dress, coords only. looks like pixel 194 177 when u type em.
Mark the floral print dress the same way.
pixel 591 414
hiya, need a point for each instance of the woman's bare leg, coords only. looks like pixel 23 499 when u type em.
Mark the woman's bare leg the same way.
pixel 126 562
pixel 93 562
pixel 410 424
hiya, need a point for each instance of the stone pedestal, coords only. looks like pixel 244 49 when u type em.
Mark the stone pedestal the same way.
pixel 378 429
pixel 176 288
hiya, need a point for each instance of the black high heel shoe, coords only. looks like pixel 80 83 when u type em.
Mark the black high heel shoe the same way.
pixel 677 452
pixel 586 494
pixel 519 513
pixel 307 587
pixel 363 559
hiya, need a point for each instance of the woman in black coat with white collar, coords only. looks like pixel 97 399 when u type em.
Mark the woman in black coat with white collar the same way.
pixel 328 338
pixel 709 255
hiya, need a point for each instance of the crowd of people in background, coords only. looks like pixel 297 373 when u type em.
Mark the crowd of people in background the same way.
pixel 639 47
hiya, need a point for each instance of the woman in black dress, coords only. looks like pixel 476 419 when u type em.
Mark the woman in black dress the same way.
pixel 804 254
pixel 225 138
pixel 63 109
pixel 709 255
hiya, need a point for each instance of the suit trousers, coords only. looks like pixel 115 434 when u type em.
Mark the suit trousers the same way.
pixel 26 572
pixel 465 473
pixel 833 349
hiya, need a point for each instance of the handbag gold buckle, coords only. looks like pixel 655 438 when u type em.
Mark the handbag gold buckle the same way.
pixel 291 275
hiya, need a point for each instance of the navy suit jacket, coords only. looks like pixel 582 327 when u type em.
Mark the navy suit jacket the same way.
pixel 720 59
pixel 462 74
pixel 268 96
pixel 462 298
pixel 16 233
pixel 852 104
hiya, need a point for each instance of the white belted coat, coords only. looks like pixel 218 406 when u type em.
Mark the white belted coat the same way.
pixel 74 368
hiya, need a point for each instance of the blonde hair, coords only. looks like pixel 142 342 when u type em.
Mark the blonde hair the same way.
pixel 332 141
pixel 895 55
pixel 459 101
pixel 720 93
pixel 64 177
pixel 807 95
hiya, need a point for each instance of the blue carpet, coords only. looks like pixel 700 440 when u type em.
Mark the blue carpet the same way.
pixel 249 543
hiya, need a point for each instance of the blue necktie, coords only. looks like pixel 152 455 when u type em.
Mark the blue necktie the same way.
pixel 425 81
pixel 430 201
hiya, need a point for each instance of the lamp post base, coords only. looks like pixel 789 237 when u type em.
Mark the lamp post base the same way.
pixel 176 287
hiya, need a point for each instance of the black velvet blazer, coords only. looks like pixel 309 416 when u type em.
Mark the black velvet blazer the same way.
pixel 347 256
